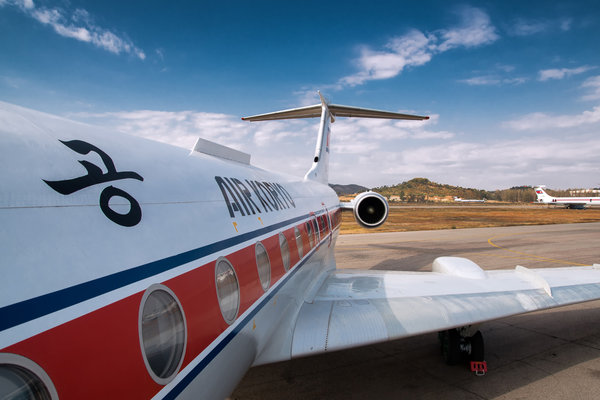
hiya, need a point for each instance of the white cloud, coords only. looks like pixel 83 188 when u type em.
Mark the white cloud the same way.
pixel 523 27
pixel 416 48
pixel 592 84
pixel 352 135
pixel 412 49
pixel 559 162
pixel 515 80
pixel 528 27
pixel 179 128
pixel 13 82
pixel 476 29
pixel 543 122
pixel 506 68
pixel 498 76
pixel 284 146
pixel 562 73
pixel 78 25
pixel 280 146
pixel 374 152
pixel 565 24
pixel 23 4
pixel 492 80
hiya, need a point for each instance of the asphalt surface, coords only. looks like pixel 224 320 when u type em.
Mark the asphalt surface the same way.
pixel 553 354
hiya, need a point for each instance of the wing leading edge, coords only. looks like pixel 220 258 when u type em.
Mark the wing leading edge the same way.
pixel 354 308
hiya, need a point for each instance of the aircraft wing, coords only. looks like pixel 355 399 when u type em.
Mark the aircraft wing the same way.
pixel 354 308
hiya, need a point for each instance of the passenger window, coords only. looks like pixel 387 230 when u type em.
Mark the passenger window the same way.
pixel 299 244
pixel 228 290
pixel 285 251
pixel 264 266
pixel 311 234
pixel 162 333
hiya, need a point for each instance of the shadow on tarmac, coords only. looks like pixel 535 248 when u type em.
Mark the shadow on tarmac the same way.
pixel 552 354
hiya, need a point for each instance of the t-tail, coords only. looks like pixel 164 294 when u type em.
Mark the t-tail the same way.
pixel 542 196
pixel 319 170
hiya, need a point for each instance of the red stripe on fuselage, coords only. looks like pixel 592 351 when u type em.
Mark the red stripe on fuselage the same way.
pixel 584 199
pixel 98 355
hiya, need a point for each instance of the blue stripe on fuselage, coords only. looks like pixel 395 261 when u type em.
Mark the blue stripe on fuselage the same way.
pixel 27 310
pixel 191 375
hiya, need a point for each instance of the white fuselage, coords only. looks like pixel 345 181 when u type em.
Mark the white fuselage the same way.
pixel 459 200
pixel 574 200
pixel 76 266
pixel 570 202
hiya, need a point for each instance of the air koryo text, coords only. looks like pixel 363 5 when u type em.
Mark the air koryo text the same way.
pixel 252 197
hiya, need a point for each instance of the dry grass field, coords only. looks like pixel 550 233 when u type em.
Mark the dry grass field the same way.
pixel 407 218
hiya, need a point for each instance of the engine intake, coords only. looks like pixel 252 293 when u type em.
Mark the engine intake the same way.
pixel 370 209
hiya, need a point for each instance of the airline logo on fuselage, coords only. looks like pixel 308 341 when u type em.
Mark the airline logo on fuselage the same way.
pixel 252 197
pixel 96 176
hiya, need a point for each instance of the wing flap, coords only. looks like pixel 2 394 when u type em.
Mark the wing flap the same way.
pixel 355 308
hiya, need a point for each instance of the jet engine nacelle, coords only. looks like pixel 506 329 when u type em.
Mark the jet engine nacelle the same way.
pixel 370 209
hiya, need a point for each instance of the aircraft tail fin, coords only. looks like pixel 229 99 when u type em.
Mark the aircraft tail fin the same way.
pixel 319 170
pixel 542 196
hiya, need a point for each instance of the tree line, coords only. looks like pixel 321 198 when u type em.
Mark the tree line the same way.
pixel 422 190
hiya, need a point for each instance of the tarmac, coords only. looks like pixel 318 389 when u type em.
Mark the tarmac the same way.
pixel 553 354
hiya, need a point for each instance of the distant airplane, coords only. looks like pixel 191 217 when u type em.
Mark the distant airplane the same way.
pixel 578 203
pixel 135 269
pixel 459 200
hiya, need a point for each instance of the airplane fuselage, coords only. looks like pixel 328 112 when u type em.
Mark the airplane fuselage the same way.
pixel 134 269
pixel 104 221
pixel 575 200
pixel 569 202
pixel 459 200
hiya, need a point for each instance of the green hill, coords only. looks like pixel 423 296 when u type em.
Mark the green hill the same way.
pixel 419 190
pixel 422 189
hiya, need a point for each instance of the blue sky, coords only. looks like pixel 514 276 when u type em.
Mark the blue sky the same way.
pixel 512 87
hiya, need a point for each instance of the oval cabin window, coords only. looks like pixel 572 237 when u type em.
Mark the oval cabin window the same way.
pixel 162 333
pixel 299 243
pixel 228 290
pixel 285 251
pixel 264 266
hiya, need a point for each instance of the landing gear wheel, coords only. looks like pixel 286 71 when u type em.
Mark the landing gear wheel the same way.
pixel 456 348
pixel 450 343
pixel 477 348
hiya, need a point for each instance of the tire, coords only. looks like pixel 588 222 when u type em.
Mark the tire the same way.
pixel 477 347
pixel 451 346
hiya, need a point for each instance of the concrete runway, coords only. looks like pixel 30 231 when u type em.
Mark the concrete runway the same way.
pixel 553 354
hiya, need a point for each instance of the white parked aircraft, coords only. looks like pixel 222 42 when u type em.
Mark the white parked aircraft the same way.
pixel 459 200
pixel 135 269
pixel 568 202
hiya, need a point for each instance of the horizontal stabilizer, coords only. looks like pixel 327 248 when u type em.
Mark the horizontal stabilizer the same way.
pixel 302 112
pixel 335 110
pixel 345 111
pixel 319 170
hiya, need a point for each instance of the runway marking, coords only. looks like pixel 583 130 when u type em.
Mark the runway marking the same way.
pixel 514 257
pixel 532 256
